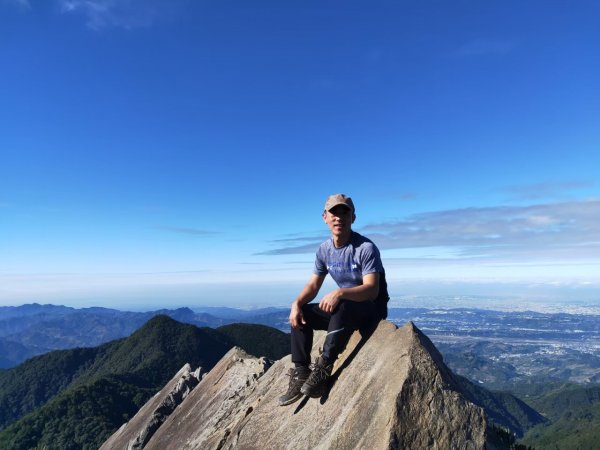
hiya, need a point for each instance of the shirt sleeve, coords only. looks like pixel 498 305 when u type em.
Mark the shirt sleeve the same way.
pixel 370 259
pixel 320 263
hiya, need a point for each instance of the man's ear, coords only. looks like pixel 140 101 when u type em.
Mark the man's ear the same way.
pixel 325 216
pixel 353 217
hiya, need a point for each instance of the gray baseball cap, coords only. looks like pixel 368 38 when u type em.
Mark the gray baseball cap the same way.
pixel 338 199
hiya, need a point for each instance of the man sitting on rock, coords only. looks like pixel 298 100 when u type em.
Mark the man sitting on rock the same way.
pixel 353 261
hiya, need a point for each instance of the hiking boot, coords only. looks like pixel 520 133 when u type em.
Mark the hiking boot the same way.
pixel 297 376
pixel 317 383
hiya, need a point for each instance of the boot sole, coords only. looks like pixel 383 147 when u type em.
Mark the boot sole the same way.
pixel 290 400
pixel 312 394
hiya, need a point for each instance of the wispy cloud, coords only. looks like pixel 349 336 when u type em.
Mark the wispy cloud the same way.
pixel 546 190
pixel 302 239
pixel 481 47
pixel 294 245
pixel 567 231
pixel 127 14
pixel 187 231
pixel 293 250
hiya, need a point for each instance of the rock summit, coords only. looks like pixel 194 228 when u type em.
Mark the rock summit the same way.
pixel 390 390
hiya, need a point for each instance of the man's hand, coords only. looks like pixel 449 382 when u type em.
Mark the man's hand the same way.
pixel 330 301
pixel 296 317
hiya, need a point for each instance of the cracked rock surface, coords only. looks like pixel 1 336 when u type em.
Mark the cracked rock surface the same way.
pixel 135 434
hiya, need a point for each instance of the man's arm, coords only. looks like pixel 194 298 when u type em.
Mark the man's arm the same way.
pixel 308 293
pixel 365 292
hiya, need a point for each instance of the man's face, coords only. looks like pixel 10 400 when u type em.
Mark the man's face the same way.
pixel 339 220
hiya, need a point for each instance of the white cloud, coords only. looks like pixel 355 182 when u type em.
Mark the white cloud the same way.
pixel 567 231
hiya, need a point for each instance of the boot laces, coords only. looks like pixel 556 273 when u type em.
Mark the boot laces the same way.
pixel 319 373
pixel 295 379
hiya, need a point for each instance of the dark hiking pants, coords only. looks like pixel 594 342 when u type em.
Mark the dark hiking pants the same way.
pixel 347 317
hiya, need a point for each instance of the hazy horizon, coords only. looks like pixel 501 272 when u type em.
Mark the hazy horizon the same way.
pixel 574 299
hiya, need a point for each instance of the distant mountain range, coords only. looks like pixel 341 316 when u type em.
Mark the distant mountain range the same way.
pixel 499 350
pixel 74 399
pixel 34 329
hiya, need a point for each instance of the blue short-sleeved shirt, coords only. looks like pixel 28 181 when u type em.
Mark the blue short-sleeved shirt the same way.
pixel 348 264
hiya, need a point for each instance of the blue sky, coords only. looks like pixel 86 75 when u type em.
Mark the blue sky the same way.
pixel 179 152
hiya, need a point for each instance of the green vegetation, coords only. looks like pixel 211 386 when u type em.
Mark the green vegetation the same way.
pixel 557 416
pixel 75 399
pixel 574 412
pixel 503 408
pixel 502 438
pixel 33 383
pixel 258 340
pixel 158 350
pixel 151 356
pixel 80 418
pixel 568 397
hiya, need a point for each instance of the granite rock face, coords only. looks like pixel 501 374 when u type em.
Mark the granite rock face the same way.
pixel 390 390
pixel 135 434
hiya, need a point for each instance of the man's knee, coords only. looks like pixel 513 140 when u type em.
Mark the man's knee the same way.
pixel 307 308
pixel 355 314
pixel 345 308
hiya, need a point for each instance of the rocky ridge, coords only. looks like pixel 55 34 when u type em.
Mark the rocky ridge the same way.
pixel 153 414
pixel 390 390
